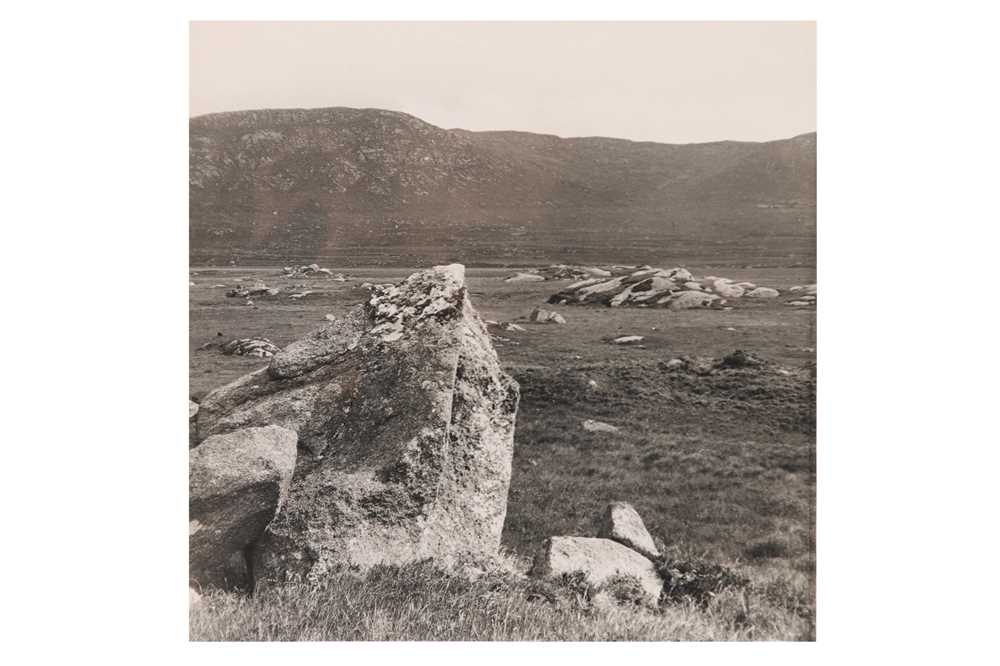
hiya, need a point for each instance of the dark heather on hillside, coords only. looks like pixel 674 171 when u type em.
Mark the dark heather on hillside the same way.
pixel 367 187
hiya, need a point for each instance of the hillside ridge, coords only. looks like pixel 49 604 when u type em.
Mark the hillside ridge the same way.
pixel 378 187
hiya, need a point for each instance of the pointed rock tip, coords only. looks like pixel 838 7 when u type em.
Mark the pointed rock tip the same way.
pixel 454 271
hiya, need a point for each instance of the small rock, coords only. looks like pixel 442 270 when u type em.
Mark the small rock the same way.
pixel 524 277
pixel 541 316
pixel 628 340
pixel 192 409
pixel 599 559
pixel 622 523
pixel 674 364
pixel 591 425
pixel 237 483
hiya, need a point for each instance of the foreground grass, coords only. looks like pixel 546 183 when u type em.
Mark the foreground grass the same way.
pixel 421 602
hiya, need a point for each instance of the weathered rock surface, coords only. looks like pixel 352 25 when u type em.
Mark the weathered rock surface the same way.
pixel 599 559
pixel 408 421
pixel 647 287
pixel 541 316
pixel 237 482
pixel 259 347
pixel 622 523
pixel 762 292
pixel 192 424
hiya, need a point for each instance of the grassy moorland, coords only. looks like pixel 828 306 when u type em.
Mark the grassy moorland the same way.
pixel 720 464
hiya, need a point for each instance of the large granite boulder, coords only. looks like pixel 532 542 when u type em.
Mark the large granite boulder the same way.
pixel 622 523
pixel 237 483
pixel 600 560
pixel 406 422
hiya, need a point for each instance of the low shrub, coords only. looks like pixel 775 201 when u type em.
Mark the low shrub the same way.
pixel 696 580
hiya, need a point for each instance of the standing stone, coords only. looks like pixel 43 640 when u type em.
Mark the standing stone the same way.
pixel 599 560
pixel 408 422
pixel 237 483
pixel 621 523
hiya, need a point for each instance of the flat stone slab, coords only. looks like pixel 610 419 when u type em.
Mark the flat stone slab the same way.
pixel 599 559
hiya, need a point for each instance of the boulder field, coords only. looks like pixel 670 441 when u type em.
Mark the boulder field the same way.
pixel 647 287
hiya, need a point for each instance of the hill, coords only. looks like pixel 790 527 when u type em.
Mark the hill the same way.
pixel 373 187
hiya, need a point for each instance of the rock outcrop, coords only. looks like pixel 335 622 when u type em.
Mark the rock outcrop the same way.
pixel 237 483
pixel 622 523
pixel 600 560
pixel 406 422
pixel 647 287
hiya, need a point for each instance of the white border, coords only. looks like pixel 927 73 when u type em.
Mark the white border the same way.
pixel 95 123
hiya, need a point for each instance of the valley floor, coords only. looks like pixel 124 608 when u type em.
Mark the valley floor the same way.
pixel 721 464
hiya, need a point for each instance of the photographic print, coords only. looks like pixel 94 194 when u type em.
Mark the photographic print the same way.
pixel 502 331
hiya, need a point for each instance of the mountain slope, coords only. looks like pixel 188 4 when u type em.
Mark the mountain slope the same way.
pixel 367 186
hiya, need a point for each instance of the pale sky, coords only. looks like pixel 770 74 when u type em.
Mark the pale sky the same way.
pixel 646 81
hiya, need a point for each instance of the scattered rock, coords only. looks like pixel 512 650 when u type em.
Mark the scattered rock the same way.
pixel 687 300
pixel 627 340
pixel 591 425
pixel 301 295
pixel 524 277
pixel 763 292
pixel 257 289
pixel 559 272
pixel 541 316
pixel 621 523
pixel 237 483
pixel 674 364
pixel 259 347
pixel 192 409
pixel 739 359
pixel 600 560
pixel 312 270
pixel 409 420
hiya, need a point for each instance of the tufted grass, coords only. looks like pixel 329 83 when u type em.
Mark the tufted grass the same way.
pixel 420 602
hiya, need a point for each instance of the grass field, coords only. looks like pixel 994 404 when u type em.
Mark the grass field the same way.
pixel 720 465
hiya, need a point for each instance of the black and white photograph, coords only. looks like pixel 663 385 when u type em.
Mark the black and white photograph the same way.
pixel 494 332
pixel 527 351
